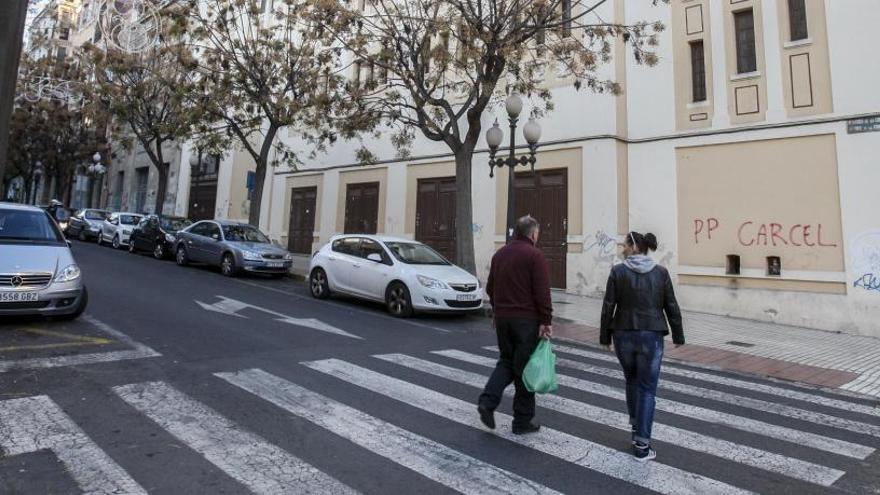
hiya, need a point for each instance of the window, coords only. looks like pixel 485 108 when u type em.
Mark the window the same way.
pixel 746 57
pixel 201 228
pixel 64 33
pixel 369 246
pixel 797 19
pixel 698 71
pixel 212 230
pixel 62 55
pixel 348 245
pixel 266 5
pixel 566 18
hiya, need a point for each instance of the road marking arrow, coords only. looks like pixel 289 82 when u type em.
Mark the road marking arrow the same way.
pixel 317 325
pixel 229 306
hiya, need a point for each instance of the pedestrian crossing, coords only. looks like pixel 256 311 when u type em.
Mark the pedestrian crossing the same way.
pixel 731 443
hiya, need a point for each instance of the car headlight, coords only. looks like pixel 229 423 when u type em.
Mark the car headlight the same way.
pixel 169 238
pixel 288 256
pixel 126 232
pixel 70 273
pixel 251 255
pixel 63 225
pixel 431 283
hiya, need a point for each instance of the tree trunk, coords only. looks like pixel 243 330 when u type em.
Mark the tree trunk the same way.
pixel 464 217
pixel 162 167
pixel 260 177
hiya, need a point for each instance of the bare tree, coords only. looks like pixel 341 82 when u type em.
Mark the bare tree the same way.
pixel 145 93
pixel 435 66
pixel 262 67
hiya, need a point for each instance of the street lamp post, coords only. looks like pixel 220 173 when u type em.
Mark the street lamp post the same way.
pixel 96 170
pixel 494 136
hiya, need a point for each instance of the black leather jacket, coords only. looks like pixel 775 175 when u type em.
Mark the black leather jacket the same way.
pixel 637 301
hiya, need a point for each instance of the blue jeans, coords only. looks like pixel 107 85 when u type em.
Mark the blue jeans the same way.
pixel 640 353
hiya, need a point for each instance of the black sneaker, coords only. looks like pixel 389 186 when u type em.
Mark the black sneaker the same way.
pixel 523 430
pixel 487 416
pixel 643 452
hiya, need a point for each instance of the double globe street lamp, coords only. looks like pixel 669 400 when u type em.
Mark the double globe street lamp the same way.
pixel 494 137
pixel 97 171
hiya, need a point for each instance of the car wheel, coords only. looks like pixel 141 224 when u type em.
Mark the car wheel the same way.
pixel 82 235
pixel 227 265
pixel 398 301
pixel 318 284
pixel 115 243
pixel 159 251
pixel 83 302
pixel 181 257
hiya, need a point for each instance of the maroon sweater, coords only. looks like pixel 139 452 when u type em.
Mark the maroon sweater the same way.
pixel 519 282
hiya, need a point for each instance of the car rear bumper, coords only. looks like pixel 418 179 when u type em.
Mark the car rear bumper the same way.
pixel 52 302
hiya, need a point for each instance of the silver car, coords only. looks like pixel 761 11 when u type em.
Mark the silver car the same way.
pixel 234 247
pixel 38 275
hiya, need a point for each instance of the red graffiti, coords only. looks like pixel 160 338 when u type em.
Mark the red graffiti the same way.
pixel 711 224
pixel 775 234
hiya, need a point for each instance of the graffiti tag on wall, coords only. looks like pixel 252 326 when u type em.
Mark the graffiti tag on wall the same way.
pixel 751 233
pixel 865 254
pixel 604 243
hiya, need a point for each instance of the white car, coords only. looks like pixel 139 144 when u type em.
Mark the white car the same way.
pixel 406 275
pixel 116 228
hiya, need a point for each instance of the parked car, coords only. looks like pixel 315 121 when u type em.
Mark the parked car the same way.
pixel 116 228
pixel 407 276
pixel 38 275
pixel 234 247
pixel 156 234
pixel 86 223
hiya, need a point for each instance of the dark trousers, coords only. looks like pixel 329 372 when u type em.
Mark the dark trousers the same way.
pixel 640 353
pixel 517 339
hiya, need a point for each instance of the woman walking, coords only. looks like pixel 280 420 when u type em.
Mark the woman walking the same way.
pixel 638 294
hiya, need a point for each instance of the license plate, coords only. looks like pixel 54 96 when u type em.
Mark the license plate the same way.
pixel 466 297
pixel 275 264
pixel 19 296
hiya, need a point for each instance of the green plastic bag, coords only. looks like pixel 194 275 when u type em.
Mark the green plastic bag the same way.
pixel 539 374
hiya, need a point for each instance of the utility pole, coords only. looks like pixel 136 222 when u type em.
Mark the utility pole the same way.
pixel 11 36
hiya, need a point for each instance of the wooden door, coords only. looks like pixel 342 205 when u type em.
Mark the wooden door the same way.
pixel 544 195
pixel 301 228
pixel 435 215
pixel 202 201
pixel 362 208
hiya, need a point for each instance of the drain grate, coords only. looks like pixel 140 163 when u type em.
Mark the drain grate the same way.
pixel 739 344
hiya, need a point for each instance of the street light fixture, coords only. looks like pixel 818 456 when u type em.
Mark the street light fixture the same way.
pixel 494 136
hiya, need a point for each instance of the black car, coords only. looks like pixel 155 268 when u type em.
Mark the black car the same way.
pixel 156 234
pixel 86 223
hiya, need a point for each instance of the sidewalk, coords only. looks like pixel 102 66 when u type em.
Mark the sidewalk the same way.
pixel 815 357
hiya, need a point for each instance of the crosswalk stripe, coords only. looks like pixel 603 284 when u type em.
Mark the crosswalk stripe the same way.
pixel 655 476
pixel 802 438
pixel 36 423
pixel 733 382
pixel 738 400
pixel 787 466
pixel 257 464
pixel 422 455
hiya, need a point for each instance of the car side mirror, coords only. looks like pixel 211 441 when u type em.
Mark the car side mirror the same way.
pixel 375 257
pixel 216 237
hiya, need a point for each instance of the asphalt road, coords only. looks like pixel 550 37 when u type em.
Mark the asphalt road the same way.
pixel 178 380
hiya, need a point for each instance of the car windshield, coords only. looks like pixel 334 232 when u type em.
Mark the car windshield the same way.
pixel 95 215
pixel 243 233
pixel 416 254
pixel 129 219
pixel 27 227
pixel 173 224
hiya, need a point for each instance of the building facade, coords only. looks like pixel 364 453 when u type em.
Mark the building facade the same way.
pixel 749 150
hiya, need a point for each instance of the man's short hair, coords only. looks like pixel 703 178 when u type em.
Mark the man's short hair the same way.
pixel 525 226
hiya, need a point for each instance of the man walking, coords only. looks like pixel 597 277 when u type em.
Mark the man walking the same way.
pixel 519 291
